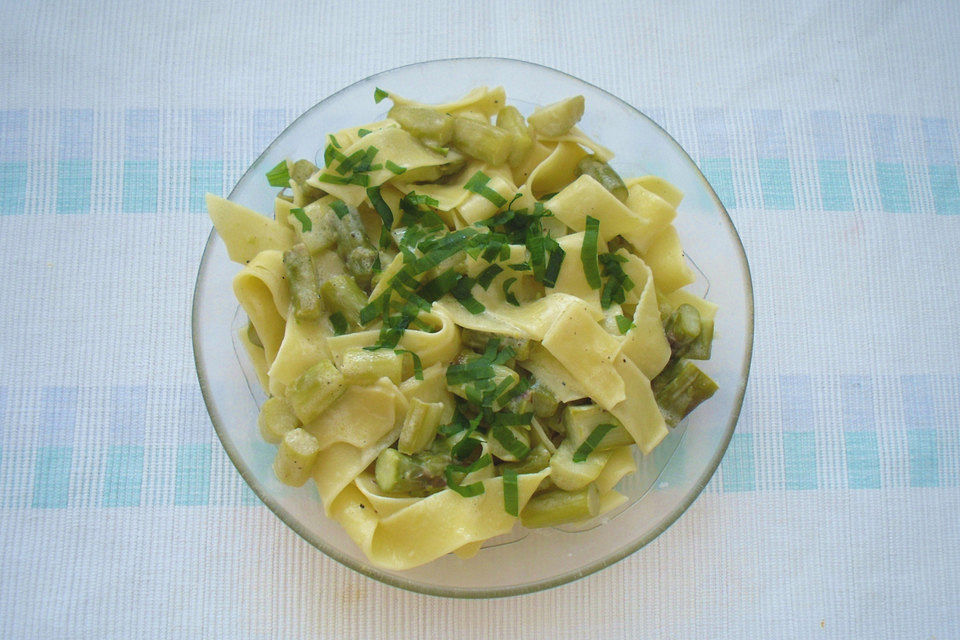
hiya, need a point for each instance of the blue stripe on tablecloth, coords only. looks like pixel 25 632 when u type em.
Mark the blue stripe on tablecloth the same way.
pixel 75 166
pixel 891 174
pixel 206 156
pixel 713 141
pixel 832 169
pixel 58 420
pixel 776 184
pixel 773 174
pixel 941 165
pixel 913 450
pixel 860 439
pixel 141 151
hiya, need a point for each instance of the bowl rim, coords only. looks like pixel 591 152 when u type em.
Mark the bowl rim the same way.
pixel 383 576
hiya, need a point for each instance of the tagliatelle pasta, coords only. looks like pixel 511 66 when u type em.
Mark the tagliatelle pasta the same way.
pixel 465 319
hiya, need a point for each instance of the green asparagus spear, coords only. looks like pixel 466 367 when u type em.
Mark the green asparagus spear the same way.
pixel 605 175
pixel 295 457
pixel 316 389
pixel 679 388
pixel 419 426
pixel 276 419
pixel 303 193
pixel 537 460
pixel 481 140
pixel 511 120
pixel 424 122
pixel 418 476
pixel 559 507
pixel 341 293
pixel 478 340
pixel 556 119
pixel 361 366
pixel 302 280
pixel 682 327
pixel 537 398
pixel 354 248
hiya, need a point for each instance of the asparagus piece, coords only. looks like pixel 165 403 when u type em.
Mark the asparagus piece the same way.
pixel 682 327
pixel 556 119
pixel 295 457
pixel 419 425
pixel 605 175
pixel 354 248
pixel 302 280
pixel 700 348
pixel 511 120
pixel 365 367
pixel 303 193
pixel 538 399
pixel 537 460
pixel 482 140
pixel 580 421
pixel 418 476
pixel 679 388
pixel 322 234
pixel 316 389
pixel 276 419
pixel 424 122
pixel 341 293
pixel 558 507
pixel 478 340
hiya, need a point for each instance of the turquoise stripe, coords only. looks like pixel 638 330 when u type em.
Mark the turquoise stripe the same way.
pixel 74 182
pixel 946 194
pixel 835 194
pixel 924 466
pixel 193 475
pixel 799 460
pixel 892 182
pixel 123 476
pixel 205 176
pixel 140 186
pixel 13 187
pixel 739 467
pixel 719 173
pixel 863 460
pixel 51 477
pixel 775 183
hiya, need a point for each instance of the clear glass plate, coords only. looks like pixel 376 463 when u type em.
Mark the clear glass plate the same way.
pixel 668 480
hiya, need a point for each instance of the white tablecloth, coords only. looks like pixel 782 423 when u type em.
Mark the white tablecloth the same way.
pixel 830 130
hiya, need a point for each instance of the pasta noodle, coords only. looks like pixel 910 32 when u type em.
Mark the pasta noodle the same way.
pixel 488 287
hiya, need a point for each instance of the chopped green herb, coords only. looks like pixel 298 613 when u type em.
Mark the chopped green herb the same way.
pixel 624 324
pixel 300 215
pixel 507 294
pixel 588 252
pixel 340 208
pixel 478 184
pixel 487 275
pixel 279 176
pixel 333 141
pixel 394 167
pixel 379 94
pixel 351 161
pixel 511 493
pixel 462 294
pixel 365 162
pixel 617 283
pixel 339 323
pixel 467 491
pixel 363 132
pixel 381 207
pixel 585 449
pixel 509 441
pixel 553 267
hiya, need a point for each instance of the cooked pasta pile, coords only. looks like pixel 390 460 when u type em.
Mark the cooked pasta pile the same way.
pixel 464 318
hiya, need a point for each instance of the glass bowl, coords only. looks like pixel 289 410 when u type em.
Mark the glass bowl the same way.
pixel 667 481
